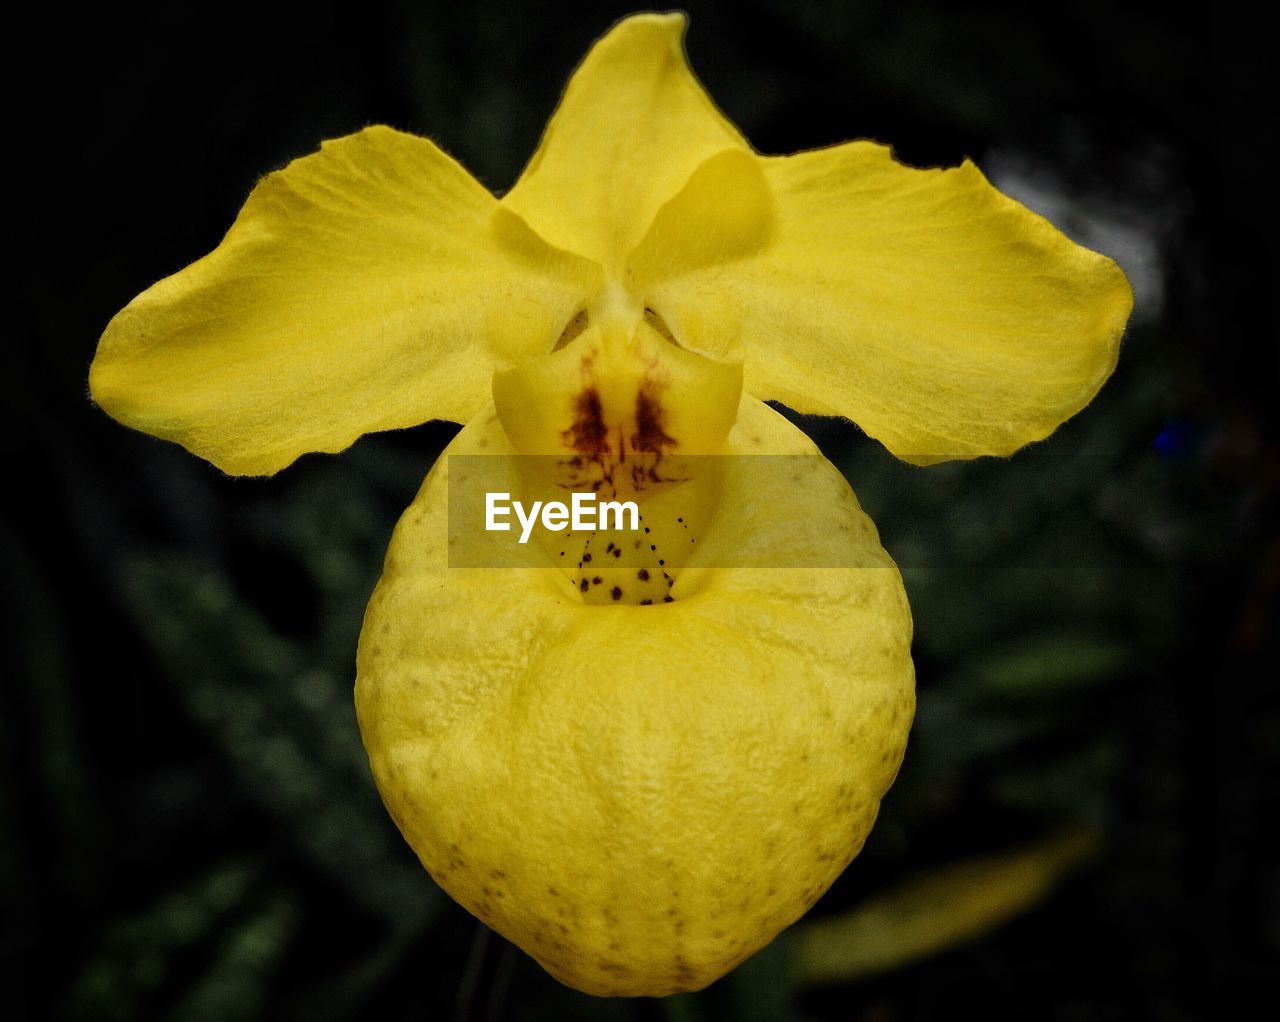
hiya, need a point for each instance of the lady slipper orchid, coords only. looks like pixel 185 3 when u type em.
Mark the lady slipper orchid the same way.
pixel 637 754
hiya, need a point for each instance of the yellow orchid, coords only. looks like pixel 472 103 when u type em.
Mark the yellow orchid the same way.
pixel 639 769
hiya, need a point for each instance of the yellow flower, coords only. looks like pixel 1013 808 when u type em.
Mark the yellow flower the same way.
pixel 640 780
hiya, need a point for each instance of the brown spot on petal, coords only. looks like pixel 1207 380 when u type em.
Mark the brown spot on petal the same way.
pixel 588 433
pixel 650 435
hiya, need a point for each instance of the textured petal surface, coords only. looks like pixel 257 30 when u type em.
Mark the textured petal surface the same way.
pixel 944 318
pixel 642 796
pixel 631 128
pixel 368 286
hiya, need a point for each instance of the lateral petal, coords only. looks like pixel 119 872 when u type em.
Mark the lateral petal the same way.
pixel 944 318
pixel 369 286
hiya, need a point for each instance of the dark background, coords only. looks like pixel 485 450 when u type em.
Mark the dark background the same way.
pixel 187 826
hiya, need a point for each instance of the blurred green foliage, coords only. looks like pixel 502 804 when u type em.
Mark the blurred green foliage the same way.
pixel 188 829
pixel 933 911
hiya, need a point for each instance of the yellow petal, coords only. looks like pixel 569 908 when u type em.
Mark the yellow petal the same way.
pixel 641 796
pixel 631 128
pixel 368 286
pixel 942 317
pixel 724 212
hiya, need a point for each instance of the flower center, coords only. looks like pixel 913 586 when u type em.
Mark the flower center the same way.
pixel 620 410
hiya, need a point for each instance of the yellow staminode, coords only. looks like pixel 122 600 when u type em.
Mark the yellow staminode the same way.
pixel 638 774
